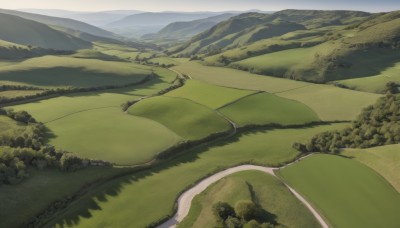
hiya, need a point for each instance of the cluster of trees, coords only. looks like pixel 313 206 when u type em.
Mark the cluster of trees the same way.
pixel 246 214
pixel 377 125
pixel 24 148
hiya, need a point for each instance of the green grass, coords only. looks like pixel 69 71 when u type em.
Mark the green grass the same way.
pixel 377 83
pixel 53 71
pixel 384 160
pixel 264 108
pixel 51 109
pixel 270 193
pixel 164 60
pixel 329 102
pixel 19 93
pixel 41 189
pixel 8 125
pixel 186 118
pixel 93 124
pixel 207 94
pixel 111 135
pixel 346 192
pixel 137 195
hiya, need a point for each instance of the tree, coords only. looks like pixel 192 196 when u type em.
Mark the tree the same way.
pixel 246 210
pixel 233 222
pixel 223 210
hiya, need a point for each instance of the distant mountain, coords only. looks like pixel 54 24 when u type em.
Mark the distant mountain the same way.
pixel 63 22
pixel 185 30
pixel 143 23
pixel 27 32
pixel 251 27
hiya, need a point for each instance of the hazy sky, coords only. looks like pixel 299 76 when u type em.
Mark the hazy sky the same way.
pixel 202 5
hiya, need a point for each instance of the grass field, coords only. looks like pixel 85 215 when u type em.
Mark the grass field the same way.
pixel 377 83
pixel 18 93
pixel 348 193
pixel 329 102
pixel 50 185
pixel 111 135
pixel 384 160
pixel 53 71
pixel 186 118
pixel 164 60
pixel 269 192
pixel 264 108
pixel 83 123
pixel 136 193
pixel 207 94
pixel 8 125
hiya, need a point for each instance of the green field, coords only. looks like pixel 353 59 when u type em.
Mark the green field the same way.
pixel 264 108
pixel 111 135
pixel 136 193
pixel 19 93
pixel 346 192
pixel 329 102
pixel 186 118
pixel 384 160
pixel 270 193
pixel 53 71
pixel 377 83
pixel 50 185
pixel 82 123
pixel 209 95
pixel 8 125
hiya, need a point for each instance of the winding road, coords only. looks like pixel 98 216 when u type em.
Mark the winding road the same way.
pixel 185 199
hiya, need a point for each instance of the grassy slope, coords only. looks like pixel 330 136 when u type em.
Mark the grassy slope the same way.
pixel 41 189
pixel 272 195
pixel 26 32
pixel 347 193
pixel 208 94
pixel 109 134
pixel 53 71
pixel 377 83
pixel 8 125
pixel 266 108
pixel 384 160
pixel 137 195
pixel 18 93
pixel 330 103
pixel 186 118
pixel 98 113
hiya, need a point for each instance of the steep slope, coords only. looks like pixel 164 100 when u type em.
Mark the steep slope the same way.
pixel 237 28
pixel 185 29
pixel 63 22
pixel 26 32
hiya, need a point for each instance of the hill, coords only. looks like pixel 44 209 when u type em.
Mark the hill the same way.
pixel 143 23
pixel 226 33
pixel 63 22
pixel 186 29
pixel 26 32
pixel 12 51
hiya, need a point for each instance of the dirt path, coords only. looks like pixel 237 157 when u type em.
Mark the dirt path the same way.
pixel 185 200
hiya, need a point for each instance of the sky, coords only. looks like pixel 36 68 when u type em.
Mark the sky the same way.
pixel 202 5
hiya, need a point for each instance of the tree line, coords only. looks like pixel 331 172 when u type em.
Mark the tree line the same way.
pixel 377 125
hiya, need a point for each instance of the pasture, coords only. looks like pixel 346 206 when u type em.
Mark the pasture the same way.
pixel 384 160
pixel 136 193
pixel 329 102
pixel 346 192
pixel 268 191
pixel 264 108
pixel 376 83
pixel 54 71
pixel 18 93
pixel 8 125
pixel 111 135
pixel 188 119
pixel 209 95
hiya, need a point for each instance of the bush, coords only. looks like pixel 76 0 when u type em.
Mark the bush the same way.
pixel 223 210
pixel 246 210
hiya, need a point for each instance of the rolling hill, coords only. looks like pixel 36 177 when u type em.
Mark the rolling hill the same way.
pixel 62 22
pixel 143 23
pixel 186 29
pixel 26 32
